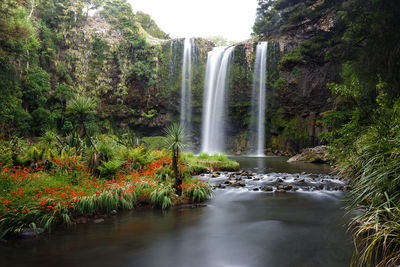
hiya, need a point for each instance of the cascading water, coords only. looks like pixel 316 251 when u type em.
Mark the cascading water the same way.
pixel 257 125
pixel 215 86
pixel 186 86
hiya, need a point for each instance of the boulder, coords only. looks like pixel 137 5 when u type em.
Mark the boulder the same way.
pixel 98 220
pixel 268 188
pixel 318 154
pixel 28 233
pixel 287 187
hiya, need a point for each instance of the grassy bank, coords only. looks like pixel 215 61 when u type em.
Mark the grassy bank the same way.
pixel 372 163
pixel 205 163
pixel 54 186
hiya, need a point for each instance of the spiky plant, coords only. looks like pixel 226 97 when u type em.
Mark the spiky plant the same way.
pixel 81 107
pixel 174 140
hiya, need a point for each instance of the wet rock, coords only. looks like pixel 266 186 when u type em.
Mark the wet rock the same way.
pixel 28 233
pixel 287 187
pixel 280 191
pixel 256 189
pixel 318 154
pixel 113 212
pixel 238 178
pixel 295 188
pixel 319 187
pixel 81 220
pixel 227 182
pixel 278 180
pixel 100 220
pixel 301 180
pixel 214 175
pixel 268 188
pixel 241 184
pixel 256 179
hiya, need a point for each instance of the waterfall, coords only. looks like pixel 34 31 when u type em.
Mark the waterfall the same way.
pixel 257 125
pixel 186 87
pixel 214 98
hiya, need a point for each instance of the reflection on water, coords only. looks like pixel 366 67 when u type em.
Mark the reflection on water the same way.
pixel 237 228
pixel 279 164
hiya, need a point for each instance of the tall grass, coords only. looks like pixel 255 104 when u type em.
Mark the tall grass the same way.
pixel 374 168
pixel 204 162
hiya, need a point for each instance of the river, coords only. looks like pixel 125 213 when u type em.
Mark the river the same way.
pixel 237 227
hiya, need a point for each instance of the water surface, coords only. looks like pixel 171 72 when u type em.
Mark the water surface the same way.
pixel 238 227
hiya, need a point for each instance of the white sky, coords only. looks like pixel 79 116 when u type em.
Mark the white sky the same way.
pixel 232 19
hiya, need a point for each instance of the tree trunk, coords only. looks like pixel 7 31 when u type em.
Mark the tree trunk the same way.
pixel 178 177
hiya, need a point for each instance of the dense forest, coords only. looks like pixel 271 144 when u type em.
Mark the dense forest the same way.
pixel 80 80
pixel 363 38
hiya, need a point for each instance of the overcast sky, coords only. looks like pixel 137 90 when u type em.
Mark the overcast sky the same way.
pixel 232 19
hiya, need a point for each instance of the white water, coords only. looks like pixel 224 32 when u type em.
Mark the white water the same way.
pixel 186 86
pixel 215 86
pixel 257 127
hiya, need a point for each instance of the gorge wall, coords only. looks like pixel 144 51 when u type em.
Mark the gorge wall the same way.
pixel 136 79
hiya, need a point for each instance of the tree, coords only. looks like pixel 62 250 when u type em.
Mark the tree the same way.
pixel 219 40
pixel 174 139
pixel 81 107
pixel 150 26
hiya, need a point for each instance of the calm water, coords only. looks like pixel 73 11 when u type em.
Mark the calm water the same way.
pixel 238 227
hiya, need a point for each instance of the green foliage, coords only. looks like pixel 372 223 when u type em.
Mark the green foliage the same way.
pixel 143 73
pixel 6 153
pixel 197 191
pixel 109 169
pixel 162 196
pixel 36 85
pixel 204 163
pixel 150 26
pixel 220 40
pixel 41 121
pixel 150 114
pixel 154 142
pixel 372 163
pixel 175 137
pixel 291 59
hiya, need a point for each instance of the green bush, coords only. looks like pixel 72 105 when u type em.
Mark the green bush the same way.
pixel 110 169
pixel 204 162
pixel 154 142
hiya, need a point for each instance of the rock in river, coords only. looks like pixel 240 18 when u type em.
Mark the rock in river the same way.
pixel 318 154
pixel 27 233
pixel 267 188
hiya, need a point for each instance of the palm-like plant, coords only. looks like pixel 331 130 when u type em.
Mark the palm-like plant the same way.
pixel 174 139
pixel 82 107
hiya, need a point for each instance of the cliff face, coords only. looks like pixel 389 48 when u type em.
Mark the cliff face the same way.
pixel 136 80
pixel 301 94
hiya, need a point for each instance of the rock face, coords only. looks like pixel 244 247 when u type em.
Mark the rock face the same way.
pixel 317 154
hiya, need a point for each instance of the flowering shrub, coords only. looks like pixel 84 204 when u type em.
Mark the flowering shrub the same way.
pixel 197 190
pixel 45 197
